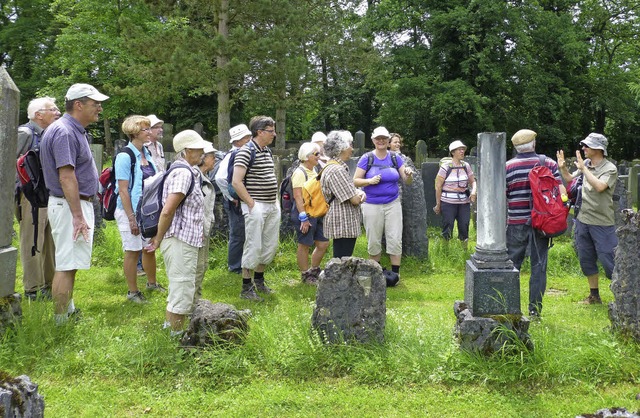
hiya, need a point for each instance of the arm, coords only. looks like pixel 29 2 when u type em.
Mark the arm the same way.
pixel 439 184
pixel 564 171
pixel 595 182
pixel 125 198
pixel 358 198
pixel 166 217
pixel 406 173
pixel 239 173
pixel 297 196
pixel 69 184
pixel 221 178
pixel 360 181
pixel 473 185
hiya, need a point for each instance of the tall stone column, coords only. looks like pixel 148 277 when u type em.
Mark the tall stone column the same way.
pixel 490 315
pixel 10 309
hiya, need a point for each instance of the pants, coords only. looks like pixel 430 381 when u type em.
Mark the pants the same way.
pixel 236 235
pixel 452 213
pixel 37 270
pixel 343 247
pixel 519 237
pixel 262 233
pixel 596 242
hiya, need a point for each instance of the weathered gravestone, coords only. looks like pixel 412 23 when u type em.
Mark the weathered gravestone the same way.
pixel 10 309
pixel 421 152
pixel 429 172
pixel 350 301
pixel 632 182
pixel 414 216
pixel 490 315
pixel 19 398
pixel 215 323
pixel 621 201
pixel 625 283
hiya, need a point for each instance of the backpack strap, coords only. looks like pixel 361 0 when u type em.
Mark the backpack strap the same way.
pixel 132 157
pixel 394 161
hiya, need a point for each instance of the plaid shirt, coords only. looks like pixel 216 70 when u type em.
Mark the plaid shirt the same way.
pixel 188 221
pixel 343 218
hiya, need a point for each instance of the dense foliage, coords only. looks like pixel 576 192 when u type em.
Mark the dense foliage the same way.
pixel 432 70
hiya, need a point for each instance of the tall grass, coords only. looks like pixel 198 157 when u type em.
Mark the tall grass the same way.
pixel 284 369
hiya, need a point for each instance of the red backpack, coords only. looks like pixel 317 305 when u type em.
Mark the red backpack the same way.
pixel 548 212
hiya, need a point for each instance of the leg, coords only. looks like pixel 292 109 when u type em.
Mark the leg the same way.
pixel 319 252
pixel 373 221
pixel 538 279
pixel 236 236
pixel 463 218
pixel 302 256
pixel 180 260
pixel 393 232
pixel 149 263
pixel 62 290
pixel 32 268
pixel 343 247
pixel 517 242
pixel 130 269
pixel 448 218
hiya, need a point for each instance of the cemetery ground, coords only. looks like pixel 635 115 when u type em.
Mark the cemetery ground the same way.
pixel 117 361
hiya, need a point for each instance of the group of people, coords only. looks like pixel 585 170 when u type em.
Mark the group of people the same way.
pixel 370 197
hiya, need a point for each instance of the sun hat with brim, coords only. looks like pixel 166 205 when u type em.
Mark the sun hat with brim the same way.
pixel 188 139
pixel 80 90
pixel 318 137
pixel 456 144
pixel 523 136
pixel 153 119
pixel 596 141
pixel 208 149
pixel 238 132
pixel 380 131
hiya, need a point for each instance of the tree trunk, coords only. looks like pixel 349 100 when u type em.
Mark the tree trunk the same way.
pixel 108 142
pixel 281 124
pixel 224 107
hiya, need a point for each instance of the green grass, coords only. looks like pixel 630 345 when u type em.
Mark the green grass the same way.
pixel 117 361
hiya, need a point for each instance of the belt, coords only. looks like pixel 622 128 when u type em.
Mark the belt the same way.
pixel 85 198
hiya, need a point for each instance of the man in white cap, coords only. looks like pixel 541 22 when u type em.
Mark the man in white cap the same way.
pixel 520 234
pixel 72 179
pixel 37 268
pixel 595 232
pixel 240 135
pixel 154 144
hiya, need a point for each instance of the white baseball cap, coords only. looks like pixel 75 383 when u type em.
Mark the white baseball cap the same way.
pixel 80 90
pixel 238 132
pixel 153 119
pixel 188 139
pixel 318 137
pixel 380 131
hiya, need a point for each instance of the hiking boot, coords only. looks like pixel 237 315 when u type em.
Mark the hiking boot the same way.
pixel 140 272
pixel 309 278
pixel 136 297
pixel 591 300
pixel 262 287
pixel 249 292
pixel 31 295
pixel 157 287
pixel 45 293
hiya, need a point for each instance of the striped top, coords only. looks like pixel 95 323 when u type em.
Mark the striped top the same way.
pixel 518 189
pixel 260 179
pixel 456 183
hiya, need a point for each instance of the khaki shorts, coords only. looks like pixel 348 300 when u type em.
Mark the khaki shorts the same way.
pixel 180 261
pixel 383 219
pixel 70 254
pixel 130 242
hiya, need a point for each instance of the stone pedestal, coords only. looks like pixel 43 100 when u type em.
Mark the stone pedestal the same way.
pixel 492 291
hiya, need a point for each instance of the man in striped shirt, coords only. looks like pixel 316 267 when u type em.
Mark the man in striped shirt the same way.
pixel 254 180
pixel 520 234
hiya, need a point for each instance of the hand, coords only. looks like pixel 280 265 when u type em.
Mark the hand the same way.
pixel 579 161
pixel 80 227
pixel 133 226
pixel 436 209
pixel 375 179
pixel 304 226
pixel 560 158
pixel 408 172
pixel 473 197
pixel 154 244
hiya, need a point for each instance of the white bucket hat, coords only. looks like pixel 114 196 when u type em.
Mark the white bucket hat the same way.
pixel 188 139
pixel 238 132
pixel 456 144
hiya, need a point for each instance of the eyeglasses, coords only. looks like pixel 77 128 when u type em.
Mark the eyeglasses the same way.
pixel 145 130
pixel 268 130
pixel 317 154
pixel 157 127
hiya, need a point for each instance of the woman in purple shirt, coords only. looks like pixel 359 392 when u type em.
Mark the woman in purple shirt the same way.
pixel 378 173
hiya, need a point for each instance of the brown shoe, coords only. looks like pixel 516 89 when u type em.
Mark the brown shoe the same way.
pixel 591 300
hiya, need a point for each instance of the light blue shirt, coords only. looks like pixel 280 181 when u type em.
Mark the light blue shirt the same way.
pixel 123 172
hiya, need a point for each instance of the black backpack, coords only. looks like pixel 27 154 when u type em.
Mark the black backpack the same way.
pixel 286 190
pixel 32 184
pixel 108 196
pixel 232 160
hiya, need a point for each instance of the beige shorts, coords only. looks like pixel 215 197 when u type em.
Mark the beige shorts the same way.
pixel 383 219
pixel 180 261
pixel 70 254
pixel 130 242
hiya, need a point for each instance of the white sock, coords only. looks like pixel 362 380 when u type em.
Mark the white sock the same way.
pixel 61 318
pixel 71 307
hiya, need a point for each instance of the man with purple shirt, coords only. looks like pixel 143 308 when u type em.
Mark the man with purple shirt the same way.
pixel 72 180
pixel 520 234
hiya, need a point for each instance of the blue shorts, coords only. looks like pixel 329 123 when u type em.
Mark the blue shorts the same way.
pixel 315 232
pixel 593 243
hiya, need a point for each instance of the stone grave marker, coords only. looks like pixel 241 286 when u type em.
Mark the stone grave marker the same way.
pixel 414 216
pixel 429 172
